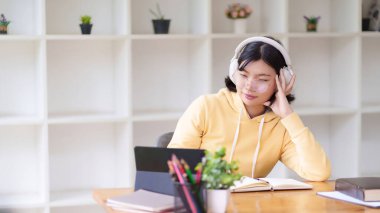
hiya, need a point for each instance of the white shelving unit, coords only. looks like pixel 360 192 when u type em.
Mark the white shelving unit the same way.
pixel 73 106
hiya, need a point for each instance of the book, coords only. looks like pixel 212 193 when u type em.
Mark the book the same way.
pixel 142 201
pixel 340 196
pixel 248 184
pixel 362 188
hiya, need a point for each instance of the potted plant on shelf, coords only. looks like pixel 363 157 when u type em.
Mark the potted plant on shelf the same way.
pixel 86 24
pixel 160 24
pixel 239 13
pixel 4 24
pixel 311 23
pixel 218 176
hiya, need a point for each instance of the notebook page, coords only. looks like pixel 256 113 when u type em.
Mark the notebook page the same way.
pixel 284 183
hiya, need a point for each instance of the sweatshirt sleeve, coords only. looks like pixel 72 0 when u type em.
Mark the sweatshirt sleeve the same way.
pixel 190 126
pixel 302 153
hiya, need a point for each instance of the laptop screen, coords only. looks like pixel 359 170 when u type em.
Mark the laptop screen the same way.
pixel 152 168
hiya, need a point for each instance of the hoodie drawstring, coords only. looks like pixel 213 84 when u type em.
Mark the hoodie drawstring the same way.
pixel 256 153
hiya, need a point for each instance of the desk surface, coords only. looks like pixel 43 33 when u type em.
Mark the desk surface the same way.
pixel 277 201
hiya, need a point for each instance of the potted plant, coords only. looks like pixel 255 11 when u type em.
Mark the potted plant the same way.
pixel 160 24
pixel 4 24
pixel 239 13
pixel 218 176
pixel 86 24
pixel 311 23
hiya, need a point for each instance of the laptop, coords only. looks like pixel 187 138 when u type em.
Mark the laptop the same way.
pixel 152 168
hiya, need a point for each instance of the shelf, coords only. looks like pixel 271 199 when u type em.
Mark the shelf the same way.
pixel 167 36
pixel 20 120
pixel 156 116
pixel 20 37
pixel 71 198
pixel 85 117
pixel 371 108
pixel 246 35
pixel 373 34
pixel 85 37
pixel 23 201
pixel 322 34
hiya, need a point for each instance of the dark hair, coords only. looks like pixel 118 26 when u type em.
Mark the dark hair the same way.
pixel 256 51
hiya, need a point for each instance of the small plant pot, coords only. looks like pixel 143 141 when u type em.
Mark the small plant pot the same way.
pixel 86 28
pixel 3 29
pixel 311 27
pixel 161 26
pixel 217 200
pixel 365 24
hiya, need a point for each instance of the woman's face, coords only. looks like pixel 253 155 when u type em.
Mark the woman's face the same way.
pixel 256 83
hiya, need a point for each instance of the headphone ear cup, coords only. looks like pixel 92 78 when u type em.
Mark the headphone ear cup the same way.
pixel 288 74
pixel 233 69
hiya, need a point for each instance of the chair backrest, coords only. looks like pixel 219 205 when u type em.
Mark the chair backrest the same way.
pixel 164 139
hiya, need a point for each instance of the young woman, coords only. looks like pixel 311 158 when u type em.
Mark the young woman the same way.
pixel 253 118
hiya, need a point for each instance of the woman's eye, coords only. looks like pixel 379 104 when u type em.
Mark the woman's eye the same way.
pixel 243 75
pixel 265 80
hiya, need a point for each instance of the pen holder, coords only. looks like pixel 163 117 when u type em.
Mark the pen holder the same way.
pixel 188 197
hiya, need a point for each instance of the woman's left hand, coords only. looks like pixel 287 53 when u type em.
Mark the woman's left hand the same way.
pixel 281 106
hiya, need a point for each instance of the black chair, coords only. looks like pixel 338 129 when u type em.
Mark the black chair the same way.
pixel 164 139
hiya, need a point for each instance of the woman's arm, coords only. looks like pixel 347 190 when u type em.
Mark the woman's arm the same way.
pixel 190 127
pixel 302 153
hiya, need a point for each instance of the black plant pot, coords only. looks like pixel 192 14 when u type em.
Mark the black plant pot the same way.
pixel 161 26
pixel 365 24
pixel 86 28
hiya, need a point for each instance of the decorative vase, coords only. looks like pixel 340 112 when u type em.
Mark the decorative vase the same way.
pixel 161 26
pixel 217 200
pixel 3 30
pixel 240 26
pixel 86 28
pixel 311 27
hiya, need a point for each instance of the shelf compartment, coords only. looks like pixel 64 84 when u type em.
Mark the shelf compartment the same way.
pixel 328 60
pixel 370 72
pixel 108 17
pixel 187 16
pixel 155 130
pixel 21 155
pixel 25 19
pixel 95 156
pixel 331 132
pixel 20 84
pixel 261 19
pixel 370 145
pixel 186 61
pixel 336 16
pixel 87 78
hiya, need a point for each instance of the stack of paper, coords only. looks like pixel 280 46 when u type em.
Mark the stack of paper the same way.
pixel 142 201
pixel 340 196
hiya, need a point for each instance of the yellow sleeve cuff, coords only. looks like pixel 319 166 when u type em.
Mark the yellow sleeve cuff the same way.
pixel 293 124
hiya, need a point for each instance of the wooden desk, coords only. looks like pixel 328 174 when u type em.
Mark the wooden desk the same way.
pixel 278 201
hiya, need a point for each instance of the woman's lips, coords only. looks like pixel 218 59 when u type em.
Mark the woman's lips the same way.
pixel 250 97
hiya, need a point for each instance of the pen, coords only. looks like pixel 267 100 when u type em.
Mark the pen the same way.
pixel 188 172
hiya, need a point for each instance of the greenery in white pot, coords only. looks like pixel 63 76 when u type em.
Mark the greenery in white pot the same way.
pixel 218 176
pixel 217 173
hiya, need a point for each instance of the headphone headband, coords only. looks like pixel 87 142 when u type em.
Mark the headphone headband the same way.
pixel 275 44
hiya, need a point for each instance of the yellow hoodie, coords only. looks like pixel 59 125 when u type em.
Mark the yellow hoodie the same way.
pixel 211 122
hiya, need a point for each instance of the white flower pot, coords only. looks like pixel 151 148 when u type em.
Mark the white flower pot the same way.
pixel 240 26
pixel 217 200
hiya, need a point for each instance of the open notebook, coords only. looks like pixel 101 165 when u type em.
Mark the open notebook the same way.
pixel 248 184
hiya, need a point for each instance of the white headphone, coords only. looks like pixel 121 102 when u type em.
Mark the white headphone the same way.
pixel 288 72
